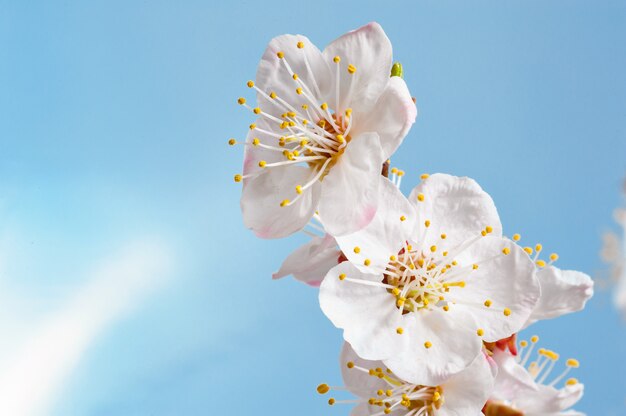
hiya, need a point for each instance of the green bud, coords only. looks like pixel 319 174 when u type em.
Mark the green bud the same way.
pixel 396 70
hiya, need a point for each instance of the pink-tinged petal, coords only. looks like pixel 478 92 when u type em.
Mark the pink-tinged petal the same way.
pixel 349 197
pixel 562 292
pixel 453 345
pixel 261 202
pixel 512 380
pixel 548 400
pixel 467 392
pixel 364 311
pixel 391 117
pixel 502 292
pixel 311 262
pixel 455 206
pixel 369 50
pixel 273 76
pixel 386 234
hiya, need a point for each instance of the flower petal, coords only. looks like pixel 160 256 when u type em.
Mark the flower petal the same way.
pixel 273 76
pixel 261 197
pixel 311 262
pixel 356 381
pixel 349 197
pixel 254 154
pixel 366 313
pixel 562 292
pixel 392 116
pixel 454 206
pixel 512 380
pixel 467 392
pixel 386 234
pixel 508 281
pixel 453 346
pixel 549 400
pixel 369 50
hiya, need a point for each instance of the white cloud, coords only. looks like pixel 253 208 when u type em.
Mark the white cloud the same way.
pixel 31 379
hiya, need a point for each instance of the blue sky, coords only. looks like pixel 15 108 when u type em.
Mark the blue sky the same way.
pixel 114 118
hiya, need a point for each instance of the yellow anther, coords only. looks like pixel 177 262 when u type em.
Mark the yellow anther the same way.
pixel 573 363
pixel 443 236
pixel 571 381
pixel 273 95
pixel 305 107
pixel 256 110
pixel 262 163
pixel 401 173
pixel 367 262
pixel 506 251
pixel 300 45
pixel 554 257
pixel 523 344
pixel 348 112
pixel 250 84
pixel 400 302
pixel 284 202
pixel 323 388
pixel 304 142
pixel 424 176
pixel 480 332
pixel 446 308
pixel 394 170
pixel 483 233
pixel 402 218
pixel 474 266
pixel 454 262
pixel 252 126
pixel 324 106
pixel 392 258
pixel 538 247
pixel 489 229
pixel 298 189
pixel 433 248
pixel 232 142
pixel 428 344
pixel 488 303
pixel 337 59
pixel 342 276
pixel 296 153
pixel 395 291
pixel 298 90
pixel 280 55
pixel 389 393
pixel 380 392
pixel 305 122
pixel 399 330
pixel 420 197
pixel 340 138
pixel 357 249
pixel 534 339
pixel 350 364
pixel 436 396
pixel 540 263
pixel 427 223
pixel 351 69
pixel 506 312
pixel 241 101
pixel 331 401
pixel 516 237
pixel 528 250
pixel 238 178
pixel 256 141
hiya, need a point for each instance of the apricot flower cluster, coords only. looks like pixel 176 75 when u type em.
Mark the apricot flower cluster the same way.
pixel 428 290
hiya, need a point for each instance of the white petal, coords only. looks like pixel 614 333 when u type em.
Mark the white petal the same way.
pixel 467 392
pixel 358 382
pixel 455 206
pixel 369 50
pixel 562 291
pixel 454 346
pixel 392 116
pixel 261 197
pixel 365 313
pixel 254 154
pixel 549 400
pixel 387 232
pixel 349 196
pixel 513 380
pixel 272 75
pixel 312 261
pixel 508 281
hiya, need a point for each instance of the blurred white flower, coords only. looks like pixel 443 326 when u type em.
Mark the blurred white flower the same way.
pixel 381 392
pixel 525 385
pixel 429 280
pixel 328 121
